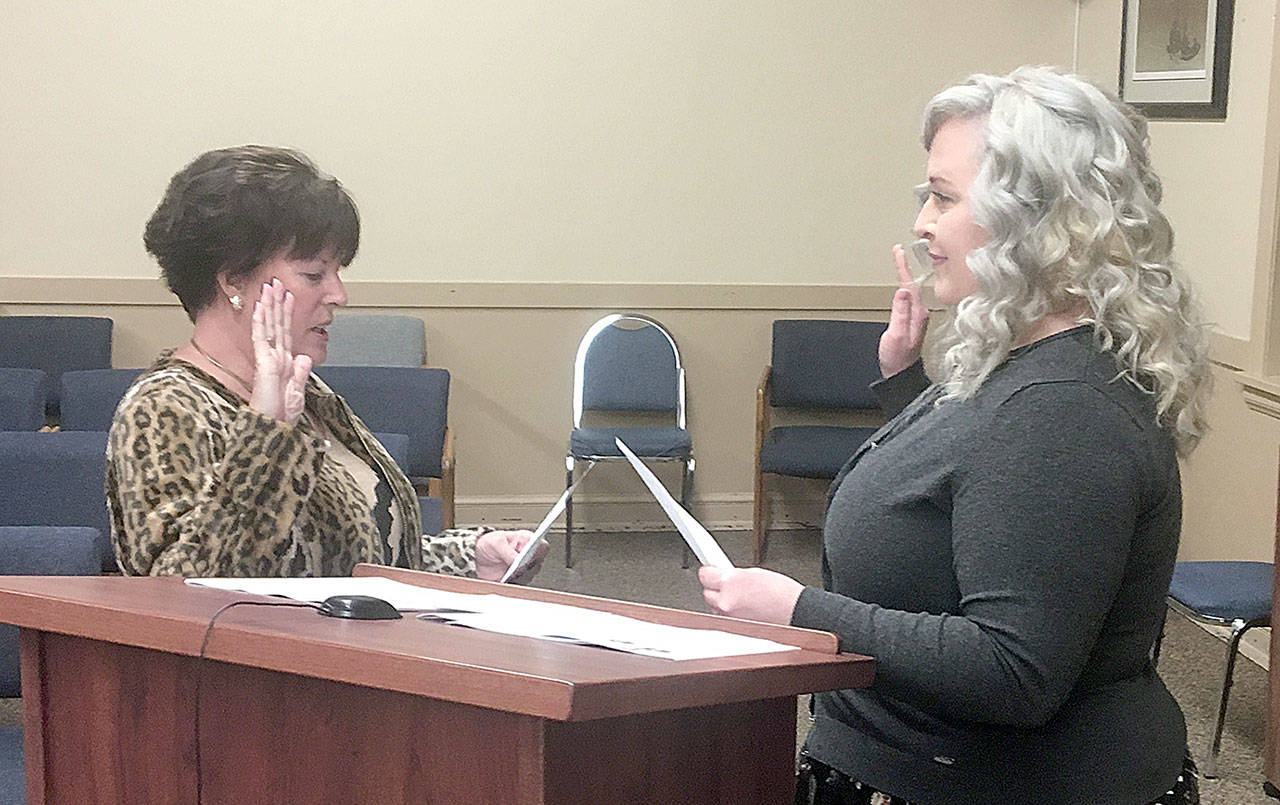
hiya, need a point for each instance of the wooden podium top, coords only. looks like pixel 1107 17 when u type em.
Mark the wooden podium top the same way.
pixel 516 674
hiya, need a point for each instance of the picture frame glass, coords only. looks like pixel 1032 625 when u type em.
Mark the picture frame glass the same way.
pixel 1169 51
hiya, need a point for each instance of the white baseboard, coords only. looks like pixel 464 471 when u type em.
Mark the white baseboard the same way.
pixel 731 512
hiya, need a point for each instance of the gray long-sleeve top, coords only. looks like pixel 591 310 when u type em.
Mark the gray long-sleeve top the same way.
pixel 1005 559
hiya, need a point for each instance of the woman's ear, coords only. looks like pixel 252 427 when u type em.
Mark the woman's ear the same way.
pixel 230 291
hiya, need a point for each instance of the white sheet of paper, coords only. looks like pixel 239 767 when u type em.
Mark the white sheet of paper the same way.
pixel 526 554
pixel 605 629
pixel 516 616
pixel 703 545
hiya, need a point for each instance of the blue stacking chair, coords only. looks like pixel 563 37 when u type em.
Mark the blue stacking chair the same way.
pixel 627 365
pixel 1235 594
pixel 33 551
pixel 413 401
pixel 397 445
pixel 55 344
pixel 56 479
pixel 376 339
pixel 23 394
pixel 817 367
pixel 89 397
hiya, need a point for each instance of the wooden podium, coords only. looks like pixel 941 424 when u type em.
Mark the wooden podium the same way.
pixel 296 707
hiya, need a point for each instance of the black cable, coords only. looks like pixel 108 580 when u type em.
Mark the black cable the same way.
pixel 204 644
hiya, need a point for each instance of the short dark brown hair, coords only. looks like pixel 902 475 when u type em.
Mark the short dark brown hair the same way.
pixel 233 209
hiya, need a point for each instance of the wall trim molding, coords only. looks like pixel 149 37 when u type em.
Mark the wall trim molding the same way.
pixel 1230 350
pixel 1261 394
pixel 151 292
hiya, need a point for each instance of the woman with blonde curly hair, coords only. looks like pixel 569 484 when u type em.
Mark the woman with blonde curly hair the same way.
pixel 1004 544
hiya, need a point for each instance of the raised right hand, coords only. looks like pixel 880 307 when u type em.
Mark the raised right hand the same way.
pixel 908 318
pixel 280 377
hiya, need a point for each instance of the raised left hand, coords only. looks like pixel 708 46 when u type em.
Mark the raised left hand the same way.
pixel 752 593
pixel 496 550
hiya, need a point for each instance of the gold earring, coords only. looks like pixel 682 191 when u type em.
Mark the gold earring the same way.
pixel 236 304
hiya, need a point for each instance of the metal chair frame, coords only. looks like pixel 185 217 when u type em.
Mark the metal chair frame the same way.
pixel 1238 627
pixel 579 378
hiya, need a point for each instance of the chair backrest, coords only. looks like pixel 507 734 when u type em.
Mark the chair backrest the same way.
pixel 628 362
pixel 55 344
pixel 376 339
pixel 89 397
pixel 397 446
pixel 40 551
pixel 56 479
pixel 824 364
pixel 395 399
pixel 23 393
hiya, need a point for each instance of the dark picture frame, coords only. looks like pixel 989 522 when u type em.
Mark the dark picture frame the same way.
pixel 1175 57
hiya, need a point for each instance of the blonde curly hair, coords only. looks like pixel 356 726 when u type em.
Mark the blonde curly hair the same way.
pixel 1066 191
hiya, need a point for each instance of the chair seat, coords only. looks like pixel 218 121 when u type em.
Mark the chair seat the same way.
pixel 1224 590
pixel 13 785
pixel 810 451
pixel 644 442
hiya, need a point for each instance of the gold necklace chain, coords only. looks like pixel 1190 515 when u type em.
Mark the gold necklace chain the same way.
pixel 247 386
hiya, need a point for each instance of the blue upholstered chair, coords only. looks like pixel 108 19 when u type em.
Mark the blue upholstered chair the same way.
pixel 33 551
pixel 23 394
pixel 397 444
pixel 1235 594
pixel 55 344
pixel 56 479
pixel 89 397
pixel 627 366
pixel 818 367
pixel 376 339
pixel 413 401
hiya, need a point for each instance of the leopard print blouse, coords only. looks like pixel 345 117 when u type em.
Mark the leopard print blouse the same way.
pixel 200 484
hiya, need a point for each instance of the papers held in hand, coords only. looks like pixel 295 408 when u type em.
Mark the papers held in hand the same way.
pixel 703 545
pixel 527 553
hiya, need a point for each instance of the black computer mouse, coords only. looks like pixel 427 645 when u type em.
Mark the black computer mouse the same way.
pixel 359 607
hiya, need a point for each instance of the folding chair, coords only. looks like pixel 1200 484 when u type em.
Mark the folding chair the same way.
pixel 627 364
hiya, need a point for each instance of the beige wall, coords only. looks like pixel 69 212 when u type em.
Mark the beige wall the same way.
pixel 522 140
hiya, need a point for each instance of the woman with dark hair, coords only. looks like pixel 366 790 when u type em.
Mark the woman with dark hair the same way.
pixel 228 457
pixel 1003 546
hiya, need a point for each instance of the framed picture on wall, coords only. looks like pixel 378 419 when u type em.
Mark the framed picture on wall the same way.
pixel 1175 56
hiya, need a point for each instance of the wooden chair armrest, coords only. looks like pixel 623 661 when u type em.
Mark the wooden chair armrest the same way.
pixel 447 479
pixel 762 406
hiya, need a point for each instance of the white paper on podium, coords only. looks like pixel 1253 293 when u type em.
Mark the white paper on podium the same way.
pixel 516 616
pixel 703 545
pixel 588 627
pixel 526 554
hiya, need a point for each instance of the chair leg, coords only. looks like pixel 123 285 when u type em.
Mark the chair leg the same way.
pixel 568 514
pixel 686 489
pixel 1238 628
pixel 760 521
